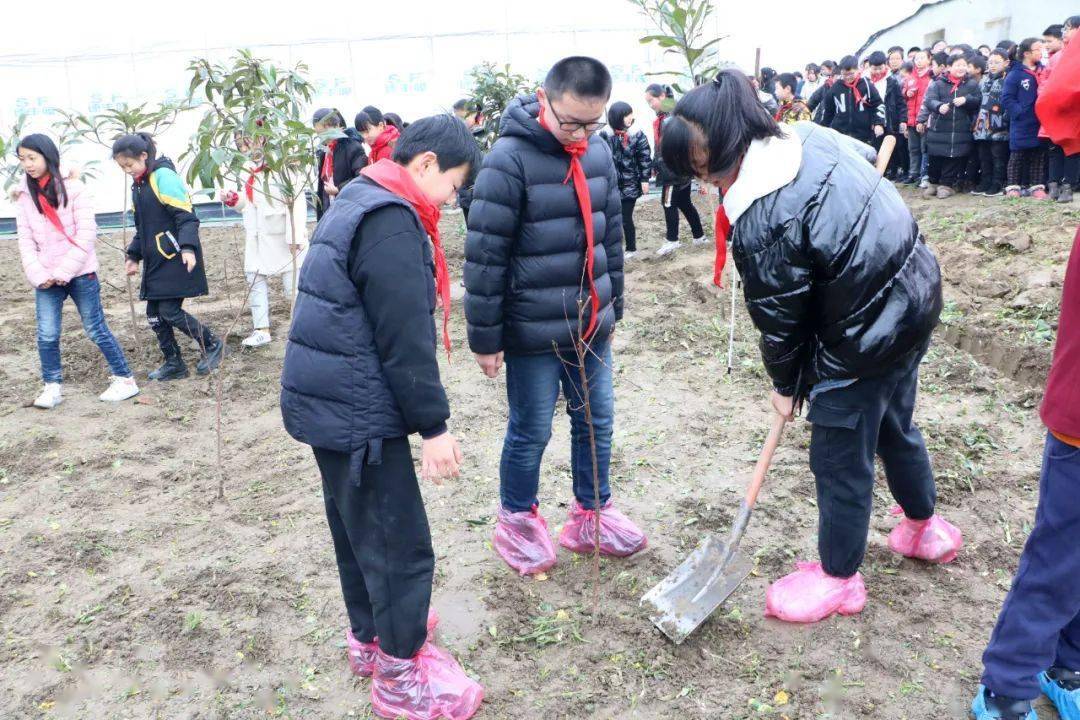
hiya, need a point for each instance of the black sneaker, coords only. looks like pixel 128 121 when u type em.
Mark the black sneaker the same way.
pixel 173 369
pixel 212 359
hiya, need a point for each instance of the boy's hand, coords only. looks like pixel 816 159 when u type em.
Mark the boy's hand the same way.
pixel 903 128
pixel 645 188
pixel 131 267
pixel 189 260
pixel 331 188
pixel 959 101
pixel 490 364
pixel 440 458
pixel 878 131
pixel 784 406
pixel 920 128
pixel 944 109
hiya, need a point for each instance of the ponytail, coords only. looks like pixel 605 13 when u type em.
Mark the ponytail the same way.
pixel 1017 52
pixel 727 115
pixel 135 144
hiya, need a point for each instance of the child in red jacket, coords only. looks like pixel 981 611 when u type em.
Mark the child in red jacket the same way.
pixel 1036 644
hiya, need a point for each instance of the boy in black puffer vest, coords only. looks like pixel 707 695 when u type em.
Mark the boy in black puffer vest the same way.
pixel 530 259
pixel 360 376
pixel 951 106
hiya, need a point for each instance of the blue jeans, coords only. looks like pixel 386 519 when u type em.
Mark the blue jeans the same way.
pixel 1039 625
pixel 532 388
pixel 85 292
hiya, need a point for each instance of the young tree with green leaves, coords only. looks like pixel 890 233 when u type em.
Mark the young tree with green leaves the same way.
pixel 681 26
pixel 493 89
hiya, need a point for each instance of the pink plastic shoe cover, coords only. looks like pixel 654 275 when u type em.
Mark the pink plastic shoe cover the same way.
pixel 935 540
pixel 522 540
pixel 429 686
pixel 362 654
pixel 809 595
pixel 619 536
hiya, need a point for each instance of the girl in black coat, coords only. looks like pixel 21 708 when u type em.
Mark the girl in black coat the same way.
pixel 845 292
pixel 339 161
pixel 950 109
pixel 633 165
pixel 167 245
pixel 674 190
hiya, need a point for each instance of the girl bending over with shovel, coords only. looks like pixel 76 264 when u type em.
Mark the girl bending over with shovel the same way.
pixel 845 293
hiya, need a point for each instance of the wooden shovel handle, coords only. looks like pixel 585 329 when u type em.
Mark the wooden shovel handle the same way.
pixel 765 459
pixel 888 145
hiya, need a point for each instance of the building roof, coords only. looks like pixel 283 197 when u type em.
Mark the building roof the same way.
pixel 873 38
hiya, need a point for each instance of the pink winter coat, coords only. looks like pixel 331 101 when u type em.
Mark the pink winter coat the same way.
pixel 46 253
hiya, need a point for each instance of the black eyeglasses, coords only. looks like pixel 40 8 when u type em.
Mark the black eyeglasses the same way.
pixel 569 127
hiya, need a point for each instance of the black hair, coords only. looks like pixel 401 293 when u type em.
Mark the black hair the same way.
pixel 849 62
pixel 878 58
pixel 616 115
pixel 134 145
pixel 798 74
pixel 914 49
pixel 939 41
pixel 660 91
pixel 1005 44
pixel 1001 53
pixel 444 135
pixel 896 48
pixel 941 58
pixel 828 64
pixel 395 120
pixel 767 74
pixel 1054 31
pixel 787 80
pixel 1073 21
pixel 1016 52
pixel 962 47
pixel 55 192
pixel 375 114
pixel 462 104
pixel 578 75
pixel 984 45
pixel 727 113
pixel 813 68
pixel 978 61
pixel 908 66
pixel 328 116
pixel 362 121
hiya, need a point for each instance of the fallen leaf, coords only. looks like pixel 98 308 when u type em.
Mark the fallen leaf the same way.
pixel 540 577
pixel 781 698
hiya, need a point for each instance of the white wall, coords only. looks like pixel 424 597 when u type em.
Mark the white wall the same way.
pixel 973 22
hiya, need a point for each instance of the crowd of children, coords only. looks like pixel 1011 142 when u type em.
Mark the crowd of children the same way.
pixel 964 118
pixel 550 224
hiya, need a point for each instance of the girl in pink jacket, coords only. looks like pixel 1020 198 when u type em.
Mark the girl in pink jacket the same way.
pixel 56 229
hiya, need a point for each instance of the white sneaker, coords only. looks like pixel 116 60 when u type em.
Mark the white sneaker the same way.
pixel 701 240
pixel 669 247
pixel 924 183
pixel 121 388
pixel 50 397
pixel 629 255
pixel 256 339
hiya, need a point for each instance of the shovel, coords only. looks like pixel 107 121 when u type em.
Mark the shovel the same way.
pixel 685 598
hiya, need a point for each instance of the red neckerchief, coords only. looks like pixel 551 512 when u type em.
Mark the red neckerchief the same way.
pixel 387 139
pixel 142 176
pixel 854 87
pixel 955 81
pixel 393 177
pixel 657 125
pixel 783 109
pixel 878 77
pixel 249 185
pixel 581 189
pixel 624 136
pixel 924 72
pixel 49 211
pixel 327 172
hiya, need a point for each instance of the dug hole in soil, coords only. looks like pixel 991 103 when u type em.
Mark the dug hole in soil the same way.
pixel 128 591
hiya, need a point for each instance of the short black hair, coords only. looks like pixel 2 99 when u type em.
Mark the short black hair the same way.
pixel 896 48
pixel 877 58
pixel 1002 53
pixel 375 114
pixel 364 120
pixel 978 61
pixel 1073 22
pixel 941 58
pixel 578 75
pixel 828 64
pixel 727 113
pixel 447 137
pixel 813 67
pixel 984 45
pixel 914 49
pixel 787 80
pixel 1054 31
pixel 908 66
pixel 616 115
pixel 462 104
pixel 849 62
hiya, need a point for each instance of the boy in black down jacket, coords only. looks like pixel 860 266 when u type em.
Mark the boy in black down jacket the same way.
pixel 530 259
pixel 951 106
pixel 845 292
pixel 853 106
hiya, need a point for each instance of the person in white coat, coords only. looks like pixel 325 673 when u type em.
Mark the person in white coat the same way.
pixel 269 247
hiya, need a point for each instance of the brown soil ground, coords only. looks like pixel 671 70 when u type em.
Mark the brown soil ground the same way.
pixel 128 591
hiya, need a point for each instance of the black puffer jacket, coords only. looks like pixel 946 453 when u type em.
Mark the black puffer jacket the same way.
pixel 633 162
pixel 664 176
pixel 951 135
pixel 836 275
pixel 525 250
pixel 854 119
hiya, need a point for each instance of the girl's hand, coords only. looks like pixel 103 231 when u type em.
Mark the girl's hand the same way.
pixel 189 260
pixel 131 267
pixel 47 284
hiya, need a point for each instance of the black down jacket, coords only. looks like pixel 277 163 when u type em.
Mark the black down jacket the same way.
pixel 837 276
pixel 525 251
pixel 951 135
pixel 633 162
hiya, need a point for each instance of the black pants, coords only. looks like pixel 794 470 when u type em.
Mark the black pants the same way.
pixel 993 159
pixel 945 170
pixel 850 425
pixel 629 231
pixel 1064 169
pixel 899 160
pixel 1027 168
pixel 167 315
pixel 676 199
pixel 973 168
pixel 383 546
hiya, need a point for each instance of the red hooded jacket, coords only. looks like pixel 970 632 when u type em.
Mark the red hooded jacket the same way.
pixel 915 87
pixel 383 147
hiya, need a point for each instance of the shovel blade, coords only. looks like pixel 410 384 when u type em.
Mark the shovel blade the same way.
pixel 671 605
